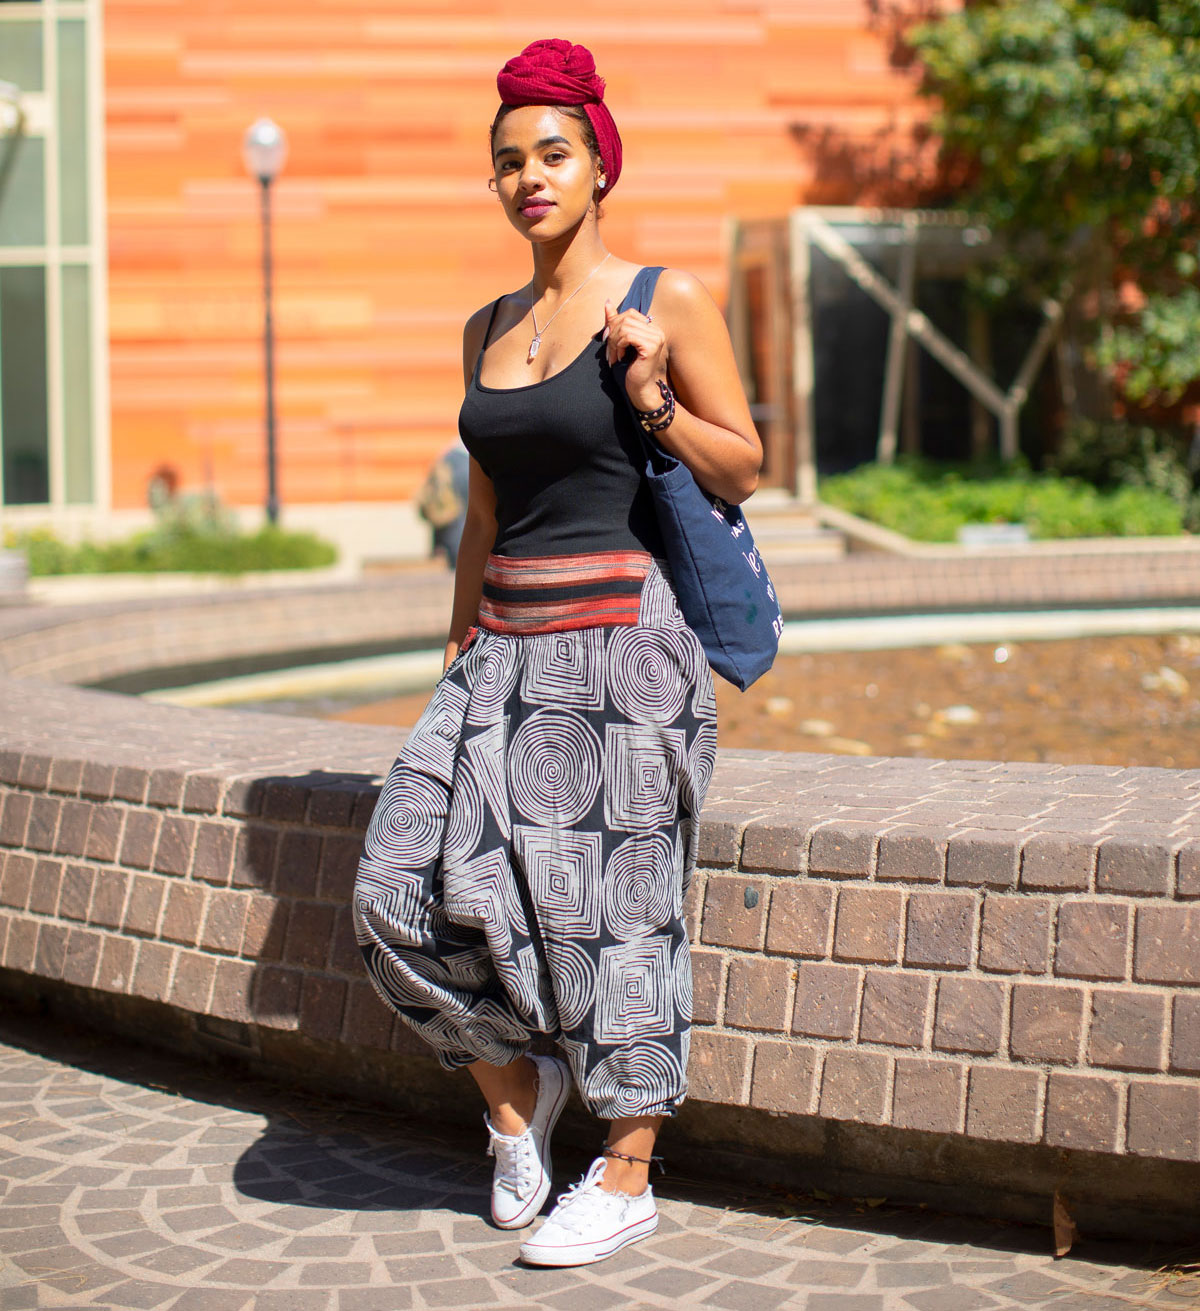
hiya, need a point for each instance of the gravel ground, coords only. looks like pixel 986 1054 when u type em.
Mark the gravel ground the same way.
pixel 1104 701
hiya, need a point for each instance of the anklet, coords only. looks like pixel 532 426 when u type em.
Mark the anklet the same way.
pixel 636 1160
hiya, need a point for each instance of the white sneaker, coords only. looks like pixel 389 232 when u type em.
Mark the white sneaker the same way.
pixel 521 1180
pixel 589 1224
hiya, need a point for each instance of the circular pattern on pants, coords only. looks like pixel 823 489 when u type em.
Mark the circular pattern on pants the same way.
pixel 701 760
pixel 637 891
pixel 574 974
pixel 407 826
pixel 634 1081
pixel 410 979
pixel 682 969
pixel 645 678
pixel 554 767
pixel 464 827
pixel 491 677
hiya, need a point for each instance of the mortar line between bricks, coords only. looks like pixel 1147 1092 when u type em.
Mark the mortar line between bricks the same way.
pixel 860 985
pixel 927 1028
pixel 996 1060
pixel 739 841
pixel 831 925
pixel 814 1096
pixel 1041 1101
pixel 975 967
pixel 1123 1100
pixel 964 1087
pixel 889 1089
pixel 1088 989
pixel 902 930
pixel 1006 1005
pixel 1047 976
pixel 790 998
pixel 1166 1034
pixel 1056 906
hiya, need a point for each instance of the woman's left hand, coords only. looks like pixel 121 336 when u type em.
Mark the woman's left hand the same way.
pixel 639 331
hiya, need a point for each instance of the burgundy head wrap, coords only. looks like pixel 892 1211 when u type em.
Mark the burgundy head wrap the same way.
pixel 559 73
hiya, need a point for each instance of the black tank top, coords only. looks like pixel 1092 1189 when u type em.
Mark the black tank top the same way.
pixel 563 457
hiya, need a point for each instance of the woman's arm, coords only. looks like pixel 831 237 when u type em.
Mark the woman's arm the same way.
pixel 685 340
pixel 479 534
pixel 479 530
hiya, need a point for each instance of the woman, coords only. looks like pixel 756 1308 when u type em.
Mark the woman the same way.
pixel 525 867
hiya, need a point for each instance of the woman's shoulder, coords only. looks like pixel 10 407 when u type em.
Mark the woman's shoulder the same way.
pixel 475 330
pixel 678 287
pixel 479 320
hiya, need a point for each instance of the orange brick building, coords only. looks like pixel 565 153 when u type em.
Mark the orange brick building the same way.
pixel 385 235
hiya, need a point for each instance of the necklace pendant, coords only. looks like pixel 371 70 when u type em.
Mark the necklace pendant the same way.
pixel 534 347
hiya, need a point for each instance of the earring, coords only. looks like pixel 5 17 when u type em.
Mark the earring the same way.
pixel 600 184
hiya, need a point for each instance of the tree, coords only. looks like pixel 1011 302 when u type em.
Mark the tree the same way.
pixel 1076 125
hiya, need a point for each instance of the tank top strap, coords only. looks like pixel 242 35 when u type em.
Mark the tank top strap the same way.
pixel 487 334
pixel 491 319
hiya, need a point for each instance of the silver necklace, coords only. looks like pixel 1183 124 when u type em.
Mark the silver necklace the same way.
pixel 536 343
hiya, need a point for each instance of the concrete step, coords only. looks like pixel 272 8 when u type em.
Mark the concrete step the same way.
pixel 825 544
pixel 786 531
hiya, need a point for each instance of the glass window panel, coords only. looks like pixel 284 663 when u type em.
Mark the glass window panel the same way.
pixel 77 384
pixel 23 195
pixel 72 127
pixel 24 424
pixel 21 53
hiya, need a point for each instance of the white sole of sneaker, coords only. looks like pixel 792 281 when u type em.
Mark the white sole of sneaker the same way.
pixel 529 1213
pixel 587 1253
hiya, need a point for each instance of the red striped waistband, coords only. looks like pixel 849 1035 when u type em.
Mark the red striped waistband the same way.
pixel 554 593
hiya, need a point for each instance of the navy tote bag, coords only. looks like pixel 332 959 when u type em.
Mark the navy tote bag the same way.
pixel 726 597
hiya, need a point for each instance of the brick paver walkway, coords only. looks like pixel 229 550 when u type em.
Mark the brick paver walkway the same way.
pixel 128 1179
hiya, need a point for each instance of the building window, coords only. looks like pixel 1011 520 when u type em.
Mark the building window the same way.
pixel 53 344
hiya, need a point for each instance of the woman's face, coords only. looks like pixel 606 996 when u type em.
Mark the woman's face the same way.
pixel 545 175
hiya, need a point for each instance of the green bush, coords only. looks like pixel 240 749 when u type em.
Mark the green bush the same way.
pixel 1115 453
pixel 929 502
pixel 174 547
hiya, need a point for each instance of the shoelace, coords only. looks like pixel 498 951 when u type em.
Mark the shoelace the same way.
pixel 582 1201
pixel 516 1158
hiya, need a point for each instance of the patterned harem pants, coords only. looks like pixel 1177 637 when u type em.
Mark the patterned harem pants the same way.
pixel 525 868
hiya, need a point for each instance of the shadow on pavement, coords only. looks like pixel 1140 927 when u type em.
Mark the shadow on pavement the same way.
pixel 307 1160
pixel 329 1154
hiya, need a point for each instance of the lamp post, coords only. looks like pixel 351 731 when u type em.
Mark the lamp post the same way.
pixel 264 148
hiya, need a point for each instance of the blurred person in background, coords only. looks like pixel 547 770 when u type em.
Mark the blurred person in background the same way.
pixel 442 500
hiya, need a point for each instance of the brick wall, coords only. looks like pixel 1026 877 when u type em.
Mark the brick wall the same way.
pixel 103 641
pixel 917 968
pixel 1002 953
pixel 1014 986
pixel 94 643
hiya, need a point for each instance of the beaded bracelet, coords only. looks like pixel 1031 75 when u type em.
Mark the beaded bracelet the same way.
pixel 662 418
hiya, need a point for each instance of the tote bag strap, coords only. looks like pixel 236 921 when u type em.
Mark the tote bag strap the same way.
pixel 641 289
pixel 639 297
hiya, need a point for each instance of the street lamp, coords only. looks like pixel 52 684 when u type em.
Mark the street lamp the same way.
pixel 264 148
